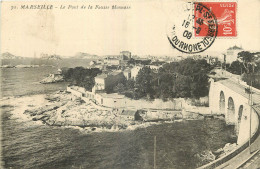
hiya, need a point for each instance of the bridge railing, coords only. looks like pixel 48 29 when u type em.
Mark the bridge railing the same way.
pixel 235 152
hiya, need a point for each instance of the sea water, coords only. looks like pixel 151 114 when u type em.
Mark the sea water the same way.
pixel 28 144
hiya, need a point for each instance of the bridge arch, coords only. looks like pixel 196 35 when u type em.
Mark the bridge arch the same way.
pixel 231 111
pixel 222 102
pixel 240 112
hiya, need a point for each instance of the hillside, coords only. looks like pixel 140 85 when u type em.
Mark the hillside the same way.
pixel 8 55
pixel 82 55
pixel 50 57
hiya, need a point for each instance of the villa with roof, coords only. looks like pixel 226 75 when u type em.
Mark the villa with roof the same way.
pixel 231 54
pixel 106 82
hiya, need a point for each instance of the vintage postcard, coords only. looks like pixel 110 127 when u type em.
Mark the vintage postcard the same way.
pixel 149 84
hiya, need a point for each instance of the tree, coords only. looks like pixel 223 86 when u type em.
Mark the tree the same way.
pixel 182 86
pixel 236 67
pixel 81 77
pixel 248 60
pixel 119 88
pixel 187 78
pixel 143 82
pixel 195 72
pixel 130 84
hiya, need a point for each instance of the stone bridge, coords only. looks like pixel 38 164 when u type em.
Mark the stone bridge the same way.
pixel 230 98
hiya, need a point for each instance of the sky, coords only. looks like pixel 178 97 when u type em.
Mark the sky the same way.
pixel 140 29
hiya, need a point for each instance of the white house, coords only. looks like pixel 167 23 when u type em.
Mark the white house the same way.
pixel 134 71
pixel 231 54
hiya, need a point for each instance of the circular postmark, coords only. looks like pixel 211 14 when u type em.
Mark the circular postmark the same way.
pixel 193 29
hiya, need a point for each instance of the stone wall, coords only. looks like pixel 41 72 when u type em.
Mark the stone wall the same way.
pixel 74 91
pixel 120 101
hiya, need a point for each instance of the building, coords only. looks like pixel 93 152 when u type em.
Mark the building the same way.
pixel 125 55
pixel 100 81
pixel 106 82
pixel 59 72
pixel 92 63
pixel 134 71
pixel 155 68
pixel 128 114
pixel 231 54
pixel 178 58
pixel 211 60
pixel 127 73
pixel 113 100
pixel 196 57
pixel 112 61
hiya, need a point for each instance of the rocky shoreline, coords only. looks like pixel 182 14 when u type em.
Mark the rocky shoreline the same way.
pixel 208 156
pixel 64 109
pixel 52 78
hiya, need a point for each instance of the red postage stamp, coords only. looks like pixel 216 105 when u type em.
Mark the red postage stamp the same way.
pixel 225 12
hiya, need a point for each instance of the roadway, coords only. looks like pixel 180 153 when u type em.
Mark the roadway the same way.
pixel 253 163
pixel 240 89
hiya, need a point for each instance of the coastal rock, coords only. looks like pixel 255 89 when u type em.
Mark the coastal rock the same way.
pixel 225 150
pixel 49 122
pixel 218 152
pixel 178 116
pixel 205 157
pixel 41 110
pixel 52 78
pixel 62 110
pixel 229 147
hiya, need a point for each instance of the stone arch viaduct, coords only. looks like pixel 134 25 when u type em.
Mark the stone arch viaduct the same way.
pixel 230 98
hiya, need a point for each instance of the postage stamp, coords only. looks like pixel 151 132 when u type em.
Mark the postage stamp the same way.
pixel 225 12
pixel 182 33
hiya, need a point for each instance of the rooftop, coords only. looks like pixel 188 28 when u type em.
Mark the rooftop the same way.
pixel 128 112
pixel 235 48
pixel 103 75
pixel 124 52
pixel 112 95
pixel 114 73
pixel 127 70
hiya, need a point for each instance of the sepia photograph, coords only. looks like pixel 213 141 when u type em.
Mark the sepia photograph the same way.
pixel 149 84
